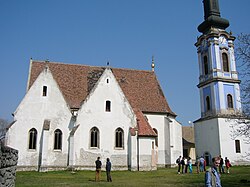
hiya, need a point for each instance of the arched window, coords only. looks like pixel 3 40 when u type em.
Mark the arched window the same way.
pixel 208 103
pixel 94 137
pixel 230 101
pixel 205 65
pixel 119 135
pixel 225 62
pixel 156 138
pixel 32 138
pixel 237 146
pixel 108 106
pixel 58 139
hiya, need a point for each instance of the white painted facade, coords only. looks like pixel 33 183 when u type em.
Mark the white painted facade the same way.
pixel 219 91
pixel 214 137
pixel 51 112
pixel 169 147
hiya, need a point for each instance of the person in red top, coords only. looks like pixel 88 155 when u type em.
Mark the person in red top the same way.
pixel 228 164
pixel 205 163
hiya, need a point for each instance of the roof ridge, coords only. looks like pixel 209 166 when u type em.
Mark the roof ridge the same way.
pixel 66 63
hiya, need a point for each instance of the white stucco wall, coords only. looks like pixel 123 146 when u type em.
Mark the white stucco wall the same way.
pixel 169 138
pixel 31 113
pixel 146 153
pixel 207 137
pixel 228 143
pixel 93 114
pixel 176 140
pixel 215 136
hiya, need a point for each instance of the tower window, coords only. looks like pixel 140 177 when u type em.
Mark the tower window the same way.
pixel 237 146
pixel 94 137
pixel 44 90
pixel 230 101
pixel 119 138
pixel 107 81
pixel 58 139
pixel 208 103
pixel 108 106
pixel 205 65
pixel 225 62
pixel 32 138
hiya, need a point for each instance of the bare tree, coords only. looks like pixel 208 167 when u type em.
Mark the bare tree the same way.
pixel 242 53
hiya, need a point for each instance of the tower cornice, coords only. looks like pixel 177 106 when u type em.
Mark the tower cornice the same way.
pixel 217 79
pixel 214 33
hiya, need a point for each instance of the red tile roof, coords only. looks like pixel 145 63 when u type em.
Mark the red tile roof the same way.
pixel 144 128
pixel 141 88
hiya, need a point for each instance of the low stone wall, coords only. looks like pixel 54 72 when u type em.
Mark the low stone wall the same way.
pixel 8 164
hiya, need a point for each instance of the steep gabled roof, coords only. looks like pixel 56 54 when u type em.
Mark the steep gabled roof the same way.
pixel 141 88
pixel 144 128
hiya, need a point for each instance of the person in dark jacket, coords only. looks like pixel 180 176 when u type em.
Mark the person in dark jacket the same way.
pixel 108 170
pixel 98 165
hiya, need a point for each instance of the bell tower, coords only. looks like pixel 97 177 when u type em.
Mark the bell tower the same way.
pixel 218 86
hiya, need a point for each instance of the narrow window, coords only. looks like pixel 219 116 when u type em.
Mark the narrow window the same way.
pixel 44 90
pixel 205 65
pixel 32 138
pixel 119 138
pixel 156 138
pixel 108 106
pixel 107 81
pixel 94 137
pixel 237 146
pixel 230 101
pixel 225 62
pixel 208 103
pixel 58 139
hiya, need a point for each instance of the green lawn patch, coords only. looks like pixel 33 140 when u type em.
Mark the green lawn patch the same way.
pixel 239 176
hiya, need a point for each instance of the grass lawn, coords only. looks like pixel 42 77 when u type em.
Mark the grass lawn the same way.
pixel 239 176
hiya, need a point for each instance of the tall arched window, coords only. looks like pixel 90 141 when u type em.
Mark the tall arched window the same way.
pixel 58 139
pixel 108 106
pixel 225 62
pixel 119 136
pixel 208 103
pixel 230 101
pixel 94 137
pixel 205 65
pixel 237 146
pixel 32 138
pixel 156 138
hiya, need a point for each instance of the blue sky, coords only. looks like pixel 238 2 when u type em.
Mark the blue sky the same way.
pixel 124 32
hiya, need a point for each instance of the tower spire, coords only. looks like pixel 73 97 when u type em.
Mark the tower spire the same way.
pixel 212 18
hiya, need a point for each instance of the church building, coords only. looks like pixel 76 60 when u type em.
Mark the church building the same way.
pixel 71 114
pixel 219 88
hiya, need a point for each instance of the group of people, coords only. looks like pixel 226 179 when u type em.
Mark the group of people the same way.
pixel 222 165
pixel 212 174
pixel 98 165
pixel 184 164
